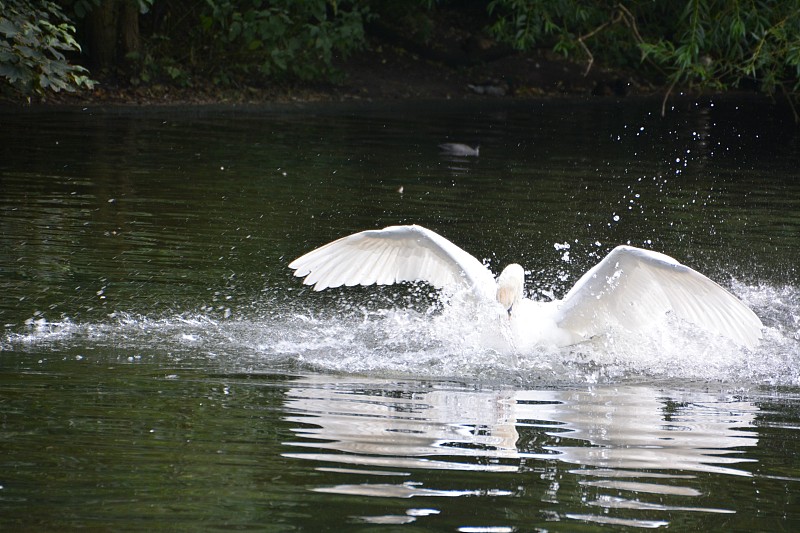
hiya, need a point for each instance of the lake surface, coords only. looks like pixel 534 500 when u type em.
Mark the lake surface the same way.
pixel 161 368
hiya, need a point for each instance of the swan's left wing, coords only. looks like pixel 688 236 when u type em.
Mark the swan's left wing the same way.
pixel 390 255
pixel 632 287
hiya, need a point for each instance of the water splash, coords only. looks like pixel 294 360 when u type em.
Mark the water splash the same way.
pixel 435 341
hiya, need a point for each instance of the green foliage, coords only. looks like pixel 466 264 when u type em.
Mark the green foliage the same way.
pixel 721 43
pixel 717 44
pixel 529 23
pixel 704 43
pixel 280 38
pixel 34 37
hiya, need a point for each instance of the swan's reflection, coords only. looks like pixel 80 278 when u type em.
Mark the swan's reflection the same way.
pixel 634 440
pixel 386 423
pixel 381 425
pixel 642 428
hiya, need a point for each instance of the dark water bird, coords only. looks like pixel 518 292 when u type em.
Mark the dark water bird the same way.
pixel 459 149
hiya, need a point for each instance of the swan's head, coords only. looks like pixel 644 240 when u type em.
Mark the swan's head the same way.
pixel 509 286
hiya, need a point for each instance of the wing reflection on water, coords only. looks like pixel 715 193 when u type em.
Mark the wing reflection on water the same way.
pixel 643 428
pixel 378 426
pixel 623 441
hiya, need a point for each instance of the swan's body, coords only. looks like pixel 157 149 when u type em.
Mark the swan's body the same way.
pixel 630 287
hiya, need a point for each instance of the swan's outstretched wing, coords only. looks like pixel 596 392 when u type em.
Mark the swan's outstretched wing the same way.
pixel 632 287
pixel 390 255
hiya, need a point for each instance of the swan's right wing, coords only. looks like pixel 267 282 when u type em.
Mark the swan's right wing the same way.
pixel 391 255
pixel 632 287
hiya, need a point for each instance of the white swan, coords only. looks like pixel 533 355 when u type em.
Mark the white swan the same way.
pixel 630 287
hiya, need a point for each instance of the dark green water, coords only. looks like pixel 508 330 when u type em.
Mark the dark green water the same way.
pixel 160 368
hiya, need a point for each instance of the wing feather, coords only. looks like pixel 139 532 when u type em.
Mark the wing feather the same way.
pixel 390 255
pixel 632 287
pixel 368 272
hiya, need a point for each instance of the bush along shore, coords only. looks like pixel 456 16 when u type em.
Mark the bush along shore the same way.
pixel 221 51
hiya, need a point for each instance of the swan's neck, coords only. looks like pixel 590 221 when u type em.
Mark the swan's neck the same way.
pixel 509 286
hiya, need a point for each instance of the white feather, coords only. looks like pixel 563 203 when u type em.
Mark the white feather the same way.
pixel 391 255
pixel 632 287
